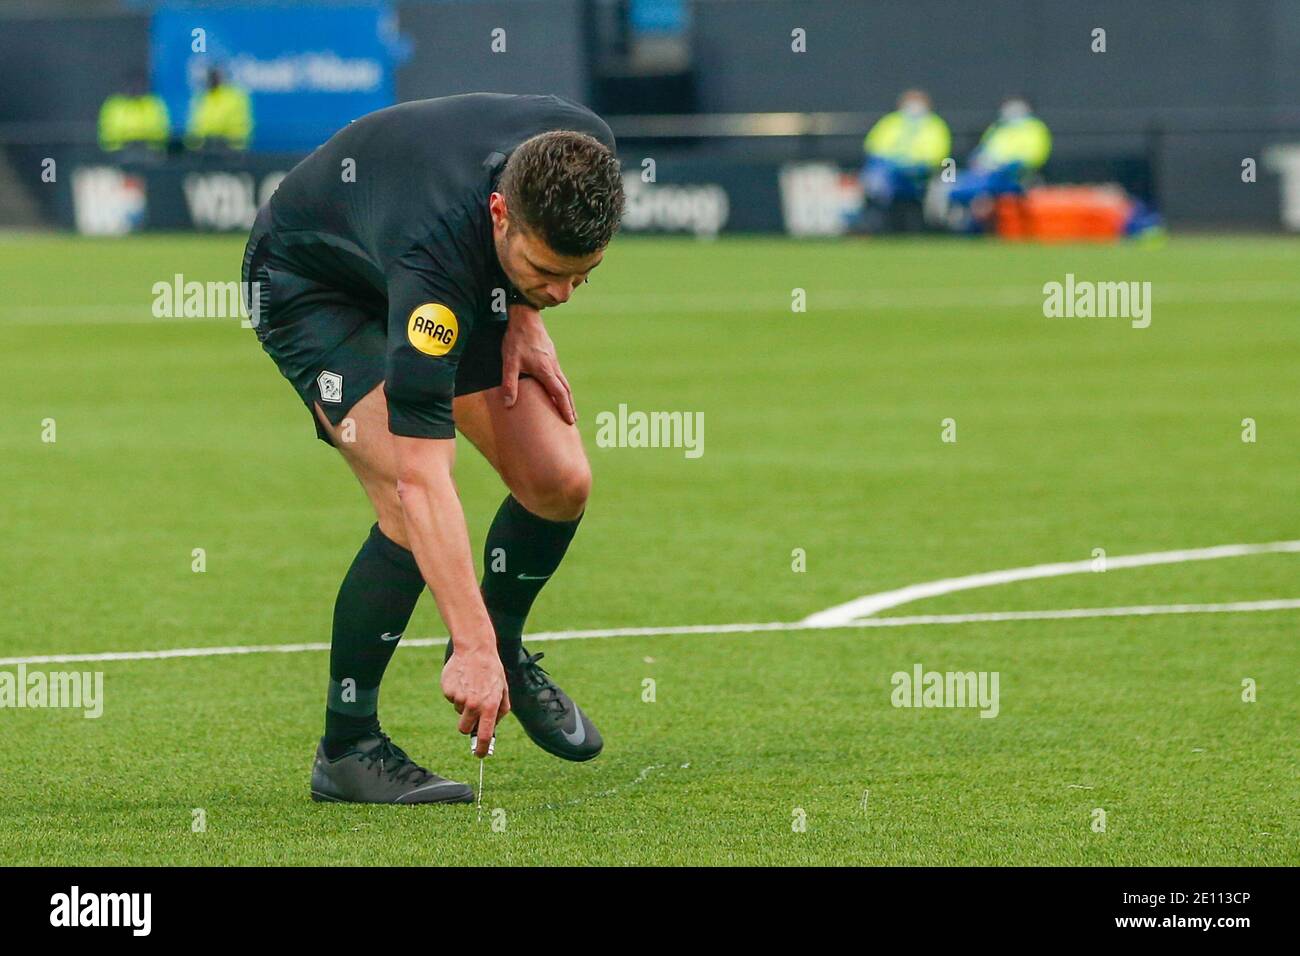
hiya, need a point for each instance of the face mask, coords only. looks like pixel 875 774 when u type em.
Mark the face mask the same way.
pixel 1015 110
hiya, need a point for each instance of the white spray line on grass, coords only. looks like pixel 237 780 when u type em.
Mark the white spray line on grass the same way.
pixel 850 615
pixel 612 791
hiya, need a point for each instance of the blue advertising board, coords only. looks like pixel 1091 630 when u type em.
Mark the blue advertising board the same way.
pixel 308 70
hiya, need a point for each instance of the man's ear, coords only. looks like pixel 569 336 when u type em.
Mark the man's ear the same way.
pixel 500 214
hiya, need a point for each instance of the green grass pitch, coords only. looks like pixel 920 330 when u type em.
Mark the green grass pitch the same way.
pixel 823 433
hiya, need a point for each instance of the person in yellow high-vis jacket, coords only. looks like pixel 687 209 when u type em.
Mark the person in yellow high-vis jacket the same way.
pixel 1011 150
pixel 133 117
pixel 1017 138
pixel 903 150
pixel 220 116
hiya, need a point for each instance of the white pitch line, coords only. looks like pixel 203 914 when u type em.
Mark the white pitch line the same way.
pixel 168 653
pixel 1143 610
pixel 872 603
pixel 854 613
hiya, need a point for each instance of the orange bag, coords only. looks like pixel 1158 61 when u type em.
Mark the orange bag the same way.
pixel 1064 214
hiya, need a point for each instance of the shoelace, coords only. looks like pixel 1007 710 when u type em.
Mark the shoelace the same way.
pixel 387 757
pixel 536 675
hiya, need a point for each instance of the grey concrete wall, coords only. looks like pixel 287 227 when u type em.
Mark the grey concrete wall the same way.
pixel 1161 54
pixel 61 69
pixel 545 48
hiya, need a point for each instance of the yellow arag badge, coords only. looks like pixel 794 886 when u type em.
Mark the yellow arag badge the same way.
pixel 432 329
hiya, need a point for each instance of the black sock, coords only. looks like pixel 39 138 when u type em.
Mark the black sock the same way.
pixel 519 543
pixel 374 605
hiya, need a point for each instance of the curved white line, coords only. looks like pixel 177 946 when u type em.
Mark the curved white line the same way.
pixel 869 604
pixel 1078 613
pixel 851 614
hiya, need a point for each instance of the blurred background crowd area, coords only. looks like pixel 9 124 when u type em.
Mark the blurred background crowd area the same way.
pixel 1025 119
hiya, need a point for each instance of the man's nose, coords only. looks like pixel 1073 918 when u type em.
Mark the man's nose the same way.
pixel 559 291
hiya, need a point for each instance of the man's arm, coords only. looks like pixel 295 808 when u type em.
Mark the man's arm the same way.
pixel 473 679
pixel 430 319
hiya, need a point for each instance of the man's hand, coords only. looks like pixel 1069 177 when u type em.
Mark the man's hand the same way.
pixel 476 683
pixel 528 348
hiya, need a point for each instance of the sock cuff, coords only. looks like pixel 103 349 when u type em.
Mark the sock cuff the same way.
pixel 353 701
pixel 523 514
pixel 393 552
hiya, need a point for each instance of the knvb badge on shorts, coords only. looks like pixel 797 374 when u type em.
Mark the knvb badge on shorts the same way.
pixel 331 387
pixel 432 329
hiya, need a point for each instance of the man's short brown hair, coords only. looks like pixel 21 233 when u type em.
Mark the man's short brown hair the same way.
pixel 567 188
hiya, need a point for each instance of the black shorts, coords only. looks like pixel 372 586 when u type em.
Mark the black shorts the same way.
pixel 332 344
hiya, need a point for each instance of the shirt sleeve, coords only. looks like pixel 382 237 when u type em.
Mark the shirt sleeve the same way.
pixel 430 317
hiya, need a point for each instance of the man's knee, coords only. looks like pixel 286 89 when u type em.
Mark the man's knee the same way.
pixel 559 493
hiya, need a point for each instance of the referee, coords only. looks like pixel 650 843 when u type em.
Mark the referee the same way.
pixel 401 270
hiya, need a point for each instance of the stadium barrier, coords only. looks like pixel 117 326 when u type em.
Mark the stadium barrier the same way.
pixel 95 193
pixel 701 175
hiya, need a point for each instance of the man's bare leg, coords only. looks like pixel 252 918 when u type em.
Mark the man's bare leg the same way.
pixel 537 454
